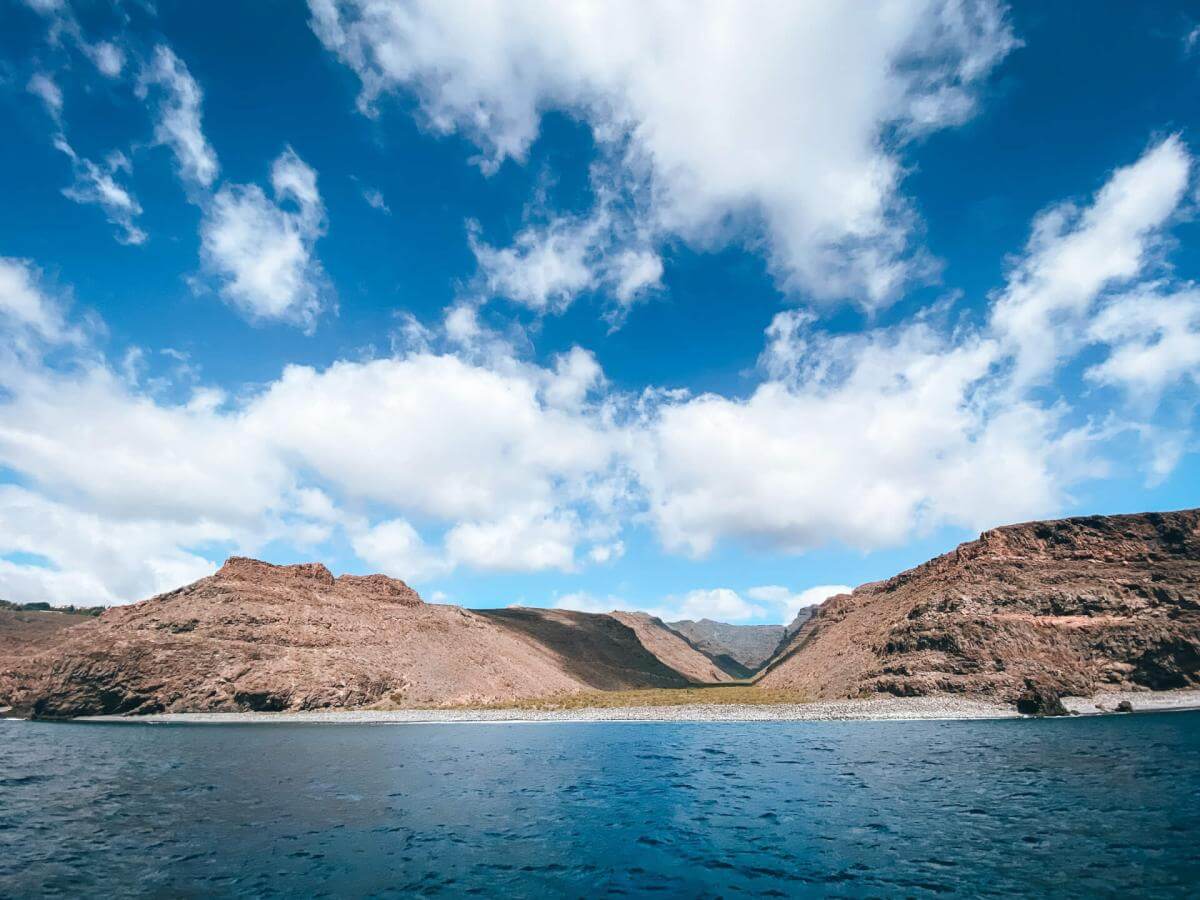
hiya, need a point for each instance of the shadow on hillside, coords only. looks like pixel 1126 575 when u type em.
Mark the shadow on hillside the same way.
pixel 598 650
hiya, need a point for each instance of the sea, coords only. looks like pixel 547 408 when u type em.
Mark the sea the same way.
pixel 1081 807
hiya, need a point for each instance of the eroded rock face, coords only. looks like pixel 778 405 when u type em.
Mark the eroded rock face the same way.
pixel 26 633
pixel 254 636
pixel 1079 605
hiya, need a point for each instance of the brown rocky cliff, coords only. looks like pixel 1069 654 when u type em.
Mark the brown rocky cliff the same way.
pixel 26 633
pixel 1078 604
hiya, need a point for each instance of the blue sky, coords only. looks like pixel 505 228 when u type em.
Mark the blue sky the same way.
pixel 700 310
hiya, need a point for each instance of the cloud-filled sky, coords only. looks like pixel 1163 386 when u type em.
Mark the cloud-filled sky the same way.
pixel 705 309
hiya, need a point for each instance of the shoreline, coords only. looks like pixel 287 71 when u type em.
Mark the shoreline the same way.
pixel 929 708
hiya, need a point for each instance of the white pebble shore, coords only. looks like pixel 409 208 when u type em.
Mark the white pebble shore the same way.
pixel 875 709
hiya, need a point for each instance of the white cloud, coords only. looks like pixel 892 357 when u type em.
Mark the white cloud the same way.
pixel 99 185
pixel 93 184
pixel 634 273
pixel 720 604
pixel 582 601
pixel 94 560
pixel 603 553
pixel 523 541
pixel 263 250
pixel 46 6
pixel 178 108
pixel 1153 336
pixel 868 440
pixel 1076 253
pixel 25 307
pixel 865 438
pixel 395 548
pixel 549 264
pixel 88 436
pixel 789 603
pixel 783 123
pixel 375 200
pixel 507 464
pixel 543 269
pixel 432 434
pixel 47 90
pixel 108 58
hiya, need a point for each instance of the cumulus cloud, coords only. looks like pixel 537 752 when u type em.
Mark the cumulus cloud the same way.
pixel 262 249
pixel 549 264
pixel 781 128
pixel 543 269
pixel 1153 340
pixel 478 453
pixel 395 546
pixel 864 444
pixel 178 99
pixel 108 58
pixel 87 559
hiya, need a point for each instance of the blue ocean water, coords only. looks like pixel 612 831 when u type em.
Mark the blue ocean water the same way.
pixel 1080 807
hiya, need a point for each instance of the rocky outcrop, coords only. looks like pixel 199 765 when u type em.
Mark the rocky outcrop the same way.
pixel 741 650
pixel 799 621
pixel 1078 605
pixel 1039 700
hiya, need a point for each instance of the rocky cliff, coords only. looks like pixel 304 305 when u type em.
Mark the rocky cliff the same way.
pixel 1077 604
pixel 26 633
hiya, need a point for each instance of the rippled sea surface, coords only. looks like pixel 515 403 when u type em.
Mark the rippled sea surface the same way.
pixel 1086 807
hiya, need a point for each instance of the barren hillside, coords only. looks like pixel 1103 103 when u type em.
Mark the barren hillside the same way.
pixel 1079 604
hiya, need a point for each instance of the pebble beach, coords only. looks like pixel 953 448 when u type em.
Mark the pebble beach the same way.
pixel 873 709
